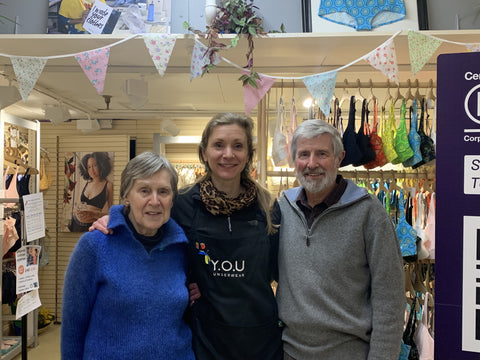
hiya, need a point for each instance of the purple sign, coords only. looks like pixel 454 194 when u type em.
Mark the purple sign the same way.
pixel 457 256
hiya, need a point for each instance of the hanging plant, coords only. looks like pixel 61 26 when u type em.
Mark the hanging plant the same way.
pixel 233 17
pixel 3 17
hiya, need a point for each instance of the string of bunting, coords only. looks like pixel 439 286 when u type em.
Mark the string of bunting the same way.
pixel 94 63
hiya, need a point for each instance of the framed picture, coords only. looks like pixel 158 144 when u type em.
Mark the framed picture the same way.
pixel 88 189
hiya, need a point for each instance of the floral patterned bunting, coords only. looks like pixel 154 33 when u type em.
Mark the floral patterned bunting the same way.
pixel 322 86
pixel 473 47
pixel 94 64
pixel 160 47
pixel 384 58
pixel 27 70
pixel 252 96
pixel 200 59
pixel 421 49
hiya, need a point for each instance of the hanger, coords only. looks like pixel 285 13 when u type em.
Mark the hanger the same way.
pixel 358 95
pixel 345 95
pixel 430 96
pixel 389 95
pixel 397 95
pixel 417 94
pixel 408 94
pixel 371 96
pixel 381 184
pixel 404 183
pixel 409 289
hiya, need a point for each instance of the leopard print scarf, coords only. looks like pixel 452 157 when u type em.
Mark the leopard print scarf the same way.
pixel 217 202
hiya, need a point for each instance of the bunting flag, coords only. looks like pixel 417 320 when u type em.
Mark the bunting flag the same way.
pixel 252 96
pixel 473 47
pixel 322 86
pixel 200 59
pixel 384 58
pixel 27 70
pixel 421 48
pixel 160 47
pixel 94 64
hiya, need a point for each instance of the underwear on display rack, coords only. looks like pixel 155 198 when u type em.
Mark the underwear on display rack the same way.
pixel 362 14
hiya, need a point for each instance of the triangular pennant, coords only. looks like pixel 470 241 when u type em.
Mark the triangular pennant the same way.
pixel 200 59
pixel 94 64
pixel 473 47
pixel 252 96
pixel 27 70
pixel 421 48
pixel 384 58
pixel 322 86
pixel 160 47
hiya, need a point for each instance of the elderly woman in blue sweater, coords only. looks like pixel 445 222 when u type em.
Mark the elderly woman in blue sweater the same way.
pixel 125 293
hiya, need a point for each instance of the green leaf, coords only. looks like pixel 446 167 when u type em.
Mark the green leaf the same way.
pixel 282 28
pixel 235 41
pixel 186 25
pixel 252 83
pixel 252 30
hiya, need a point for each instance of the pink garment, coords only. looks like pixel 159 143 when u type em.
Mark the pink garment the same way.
pixel 11 192
pixel 10 235
pixel 422 336
pixel 430 228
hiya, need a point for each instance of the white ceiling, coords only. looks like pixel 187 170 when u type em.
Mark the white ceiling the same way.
pixel 283 55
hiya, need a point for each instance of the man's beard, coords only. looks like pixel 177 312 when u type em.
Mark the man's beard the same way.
pixel 315 186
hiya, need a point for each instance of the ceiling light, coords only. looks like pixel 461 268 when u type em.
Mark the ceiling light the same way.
pixel 137 92
pixel 88 125
pixel 57 114
pixel 307 103
pixel 170 127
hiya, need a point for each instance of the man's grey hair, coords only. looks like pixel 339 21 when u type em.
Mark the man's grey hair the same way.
pixel 313 128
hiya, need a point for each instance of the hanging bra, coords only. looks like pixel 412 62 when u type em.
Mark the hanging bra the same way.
pixel 364 15
pixel 413 138
pixel 407 236
pixel 402 147
pixel 427 146
pixel 388 135
pixel 376 142
pixel 430 227
pixel 421 249
pixel 363 138
pixel 352 151
pixel 22 183
pixel 422 336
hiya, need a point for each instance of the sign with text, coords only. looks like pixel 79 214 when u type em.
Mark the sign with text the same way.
pixel 457 256
pixel 100 18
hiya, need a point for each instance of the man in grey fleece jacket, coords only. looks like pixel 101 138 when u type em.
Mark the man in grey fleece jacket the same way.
pixel 341 284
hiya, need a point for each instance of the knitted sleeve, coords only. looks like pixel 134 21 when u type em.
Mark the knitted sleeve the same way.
pixel 79 294
pixel 387 286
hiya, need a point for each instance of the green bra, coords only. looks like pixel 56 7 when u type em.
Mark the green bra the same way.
pixel 388 134
pixel 402 146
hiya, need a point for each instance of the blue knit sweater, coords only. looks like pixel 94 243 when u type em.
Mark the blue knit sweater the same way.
pixel 121 302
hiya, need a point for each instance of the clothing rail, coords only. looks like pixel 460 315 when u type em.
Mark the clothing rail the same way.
pixel 363 85
pixel 369 174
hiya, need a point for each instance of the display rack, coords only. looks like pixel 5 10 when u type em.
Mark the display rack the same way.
pixel 29 329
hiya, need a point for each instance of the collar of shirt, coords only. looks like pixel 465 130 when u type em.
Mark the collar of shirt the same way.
pixel 332 198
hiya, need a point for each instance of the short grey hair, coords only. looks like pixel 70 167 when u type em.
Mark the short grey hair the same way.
pixel 313 128
pixel 144 166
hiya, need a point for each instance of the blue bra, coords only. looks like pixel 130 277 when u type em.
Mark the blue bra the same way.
pixel 362 14
pixel 414 139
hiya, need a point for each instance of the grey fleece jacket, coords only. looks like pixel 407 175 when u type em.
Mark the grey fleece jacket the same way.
pixel 342 296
